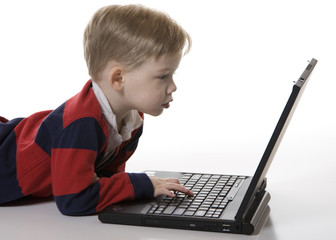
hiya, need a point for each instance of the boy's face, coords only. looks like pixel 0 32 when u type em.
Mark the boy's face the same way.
pixel 149 87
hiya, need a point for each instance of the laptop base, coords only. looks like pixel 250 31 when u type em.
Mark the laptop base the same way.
pixel 136 213
pixel 193 224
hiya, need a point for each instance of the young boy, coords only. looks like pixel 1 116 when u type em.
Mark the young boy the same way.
pixel 77 152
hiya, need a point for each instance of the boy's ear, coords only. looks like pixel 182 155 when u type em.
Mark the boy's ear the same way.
pixel 116 79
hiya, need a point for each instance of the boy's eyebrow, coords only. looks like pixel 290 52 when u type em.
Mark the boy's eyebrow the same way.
pixel 163 70
pixel 166 69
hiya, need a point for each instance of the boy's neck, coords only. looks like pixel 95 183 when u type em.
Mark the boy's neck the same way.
pixel 115 102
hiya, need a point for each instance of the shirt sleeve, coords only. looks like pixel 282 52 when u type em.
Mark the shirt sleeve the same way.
pixel 73 157
pixel 141 184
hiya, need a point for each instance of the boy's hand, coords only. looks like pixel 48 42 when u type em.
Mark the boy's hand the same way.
pixel 165 186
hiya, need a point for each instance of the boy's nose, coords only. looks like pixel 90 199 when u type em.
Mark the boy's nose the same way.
pixel 172 87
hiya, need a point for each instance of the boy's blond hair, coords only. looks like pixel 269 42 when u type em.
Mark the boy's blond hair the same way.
pixel 130 35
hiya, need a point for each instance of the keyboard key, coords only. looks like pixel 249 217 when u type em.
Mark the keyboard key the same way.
pixel 203 208
pixel 230 183
pixel 158 211
pixel 196 176
pixel 189 213
pixel 200 213
pixel 169 210
pixel 179 211
pixel 151 211
pixel 208 214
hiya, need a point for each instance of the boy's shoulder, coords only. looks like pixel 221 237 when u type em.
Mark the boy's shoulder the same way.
pixel 82 105
pixel 70 124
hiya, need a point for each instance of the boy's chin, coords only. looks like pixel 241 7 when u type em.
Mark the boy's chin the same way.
pixel 155 113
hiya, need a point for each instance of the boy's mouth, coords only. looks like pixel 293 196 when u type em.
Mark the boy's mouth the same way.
pixel 166 105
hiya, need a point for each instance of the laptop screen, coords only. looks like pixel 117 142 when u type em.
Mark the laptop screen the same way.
pixel 266 160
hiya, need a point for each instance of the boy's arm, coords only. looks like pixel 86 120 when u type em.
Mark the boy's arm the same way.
pixel 77 190
pixel 72 165
pixel 140 182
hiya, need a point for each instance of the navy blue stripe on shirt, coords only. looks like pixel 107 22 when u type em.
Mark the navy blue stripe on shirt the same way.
pixel 83 203
pixel 143 187
pixel 49 128
pixel 9 186
pixel 84 133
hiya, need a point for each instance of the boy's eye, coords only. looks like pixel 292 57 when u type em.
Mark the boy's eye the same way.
pixel 166 76
pixel 163 77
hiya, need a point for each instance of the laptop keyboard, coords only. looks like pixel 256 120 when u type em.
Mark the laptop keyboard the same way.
pixel 211 196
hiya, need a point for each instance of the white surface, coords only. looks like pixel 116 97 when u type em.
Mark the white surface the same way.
pixel 295 214
pixel 232 88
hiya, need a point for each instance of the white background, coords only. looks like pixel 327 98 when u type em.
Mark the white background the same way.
pixel 232 87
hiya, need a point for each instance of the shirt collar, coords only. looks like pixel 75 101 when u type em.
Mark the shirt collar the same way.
pixel 131 121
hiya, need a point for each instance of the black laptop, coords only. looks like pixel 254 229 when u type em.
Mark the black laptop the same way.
pixel 221 203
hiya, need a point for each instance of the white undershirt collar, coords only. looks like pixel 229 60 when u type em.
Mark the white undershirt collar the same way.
pixel 131 121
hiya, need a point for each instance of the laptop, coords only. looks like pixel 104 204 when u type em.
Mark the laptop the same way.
pixel 221 203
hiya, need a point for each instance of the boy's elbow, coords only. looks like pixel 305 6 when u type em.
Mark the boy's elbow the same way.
pixel 72 206
pixel 77 204
pixel 66 210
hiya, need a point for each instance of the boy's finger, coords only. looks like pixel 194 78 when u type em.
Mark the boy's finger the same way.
pixel 173 180
pixel 179 188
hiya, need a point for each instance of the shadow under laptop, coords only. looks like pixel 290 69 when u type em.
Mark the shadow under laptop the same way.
pixel 267 231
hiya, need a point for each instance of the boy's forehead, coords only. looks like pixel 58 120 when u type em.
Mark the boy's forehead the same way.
pixel 166 62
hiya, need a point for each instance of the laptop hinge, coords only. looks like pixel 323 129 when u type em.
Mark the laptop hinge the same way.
pixel 252 200
pixel 256 199
pixel 255 214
